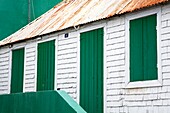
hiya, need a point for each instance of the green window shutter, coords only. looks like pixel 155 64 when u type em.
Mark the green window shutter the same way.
pixel 143 49
pixel 46 66
pixel 136 52
pixel 150 47
pixel 17 70
pixel 91 71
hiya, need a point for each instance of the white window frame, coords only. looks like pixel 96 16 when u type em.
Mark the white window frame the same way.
pixel 148 83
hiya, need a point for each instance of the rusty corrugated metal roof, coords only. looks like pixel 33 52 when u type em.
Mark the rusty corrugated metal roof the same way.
pixel 76 12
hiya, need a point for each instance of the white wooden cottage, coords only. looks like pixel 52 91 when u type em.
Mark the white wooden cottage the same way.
pixel 111 56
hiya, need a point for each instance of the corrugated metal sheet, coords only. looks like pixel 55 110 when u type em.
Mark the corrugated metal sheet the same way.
pixel 76 12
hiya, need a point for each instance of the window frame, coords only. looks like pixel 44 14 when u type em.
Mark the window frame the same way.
pixel 136 15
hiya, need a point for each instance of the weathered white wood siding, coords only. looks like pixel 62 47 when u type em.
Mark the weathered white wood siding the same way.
pixel 4 70
pixel 141 100
pixel 67 60
pixel 155 99
pixel 115 62
pixel 30 67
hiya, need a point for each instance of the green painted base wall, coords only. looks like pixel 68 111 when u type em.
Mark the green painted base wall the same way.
pixel 39 102
pixel 14 13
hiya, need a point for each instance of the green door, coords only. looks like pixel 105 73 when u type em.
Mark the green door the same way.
pixel 91 71
pixel 17 70
pixel 46 66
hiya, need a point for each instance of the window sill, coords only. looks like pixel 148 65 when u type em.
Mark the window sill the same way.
pixel 142 84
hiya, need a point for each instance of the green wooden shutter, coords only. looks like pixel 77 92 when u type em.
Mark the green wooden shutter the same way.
pixel 143 49
pixel 46 66
pixel 91 71
pixel 150 47
pixel 17 70
pixel 136 50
